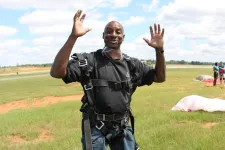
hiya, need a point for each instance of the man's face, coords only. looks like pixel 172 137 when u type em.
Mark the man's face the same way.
pixel 113 35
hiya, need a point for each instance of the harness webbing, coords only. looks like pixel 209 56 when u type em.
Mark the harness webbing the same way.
pixel 88 106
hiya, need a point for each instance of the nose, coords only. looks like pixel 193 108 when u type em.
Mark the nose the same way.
pixel 113 34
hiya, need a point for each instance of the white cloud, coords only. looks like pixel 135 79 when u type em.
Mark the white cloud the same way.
pixel 199 22
pixel 191 10
pixel 151 6
pixel 59 4
pixel 51 23
pixel 192 31
pixel 48 40
pixel 120 3
pixel 11 45
pixel 59 29
pixel 112 18
pixel 50 4
pixel 7 31
pixel 9 48
pixel 134 20
pixel 53 17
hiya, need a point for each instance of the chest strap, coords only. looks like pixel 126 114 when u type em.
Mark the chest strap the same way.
pixel 111 84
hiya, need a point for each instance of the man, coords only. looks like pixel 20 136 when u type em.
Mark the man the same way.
pixel 215 73
pixel 221 73
pixel 109 79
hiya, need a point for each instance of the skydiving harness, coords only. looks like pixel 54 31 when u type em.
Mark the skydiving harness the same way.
pixel 112 126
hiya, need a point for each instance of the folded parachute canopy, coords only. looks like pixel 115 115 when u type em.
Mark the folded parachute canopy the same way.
pixel 196 103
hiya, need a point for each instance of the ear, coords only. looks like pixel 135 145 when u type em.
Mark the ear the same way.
pixel 123 37
pixel 103 35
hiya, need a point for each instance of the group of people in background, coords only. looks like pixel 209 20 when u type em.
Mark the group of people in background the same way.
pixel 219 71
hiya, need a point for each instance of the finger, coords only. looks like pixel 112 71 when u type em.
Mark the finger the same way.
pixel 162 32
pixel 75 16
pixel 83 17
pixel 146 40
pixel 159 29
pixel 155 28
pixel 151 31
pixel 79 13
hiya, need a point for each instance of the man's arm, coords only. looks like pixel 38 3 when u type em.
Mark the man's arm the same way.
pixel 160 67
pixel 59 67
pixel 157 42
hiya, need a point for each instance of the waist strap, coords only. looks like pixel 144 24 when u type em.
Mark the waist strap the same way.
pixel 113 117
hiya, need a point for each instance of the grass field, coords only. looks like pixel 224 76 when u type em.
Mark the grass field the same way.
pixel 57 126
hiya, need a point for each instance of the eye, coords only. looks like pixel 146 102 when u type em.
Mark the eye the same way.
pixel 109 31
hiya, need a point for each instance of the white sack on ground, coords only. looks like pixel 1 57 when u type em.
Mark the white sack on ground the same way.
pixel 204 77
pixel 195 103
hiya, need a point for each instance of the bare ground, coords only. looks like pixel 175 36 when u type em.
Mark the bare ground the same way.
pixel 44 135
pixel 4 108
pixel 208 125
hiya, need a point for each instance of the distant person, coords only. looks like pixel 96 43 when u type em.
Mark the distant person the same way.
pixel 109 78
pixel 216 72
pixel 221 73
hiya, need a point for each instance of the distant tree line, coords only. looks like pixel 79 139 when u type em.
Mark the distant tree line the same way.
pixel 183 62
pixel 30 65
pixel 148 62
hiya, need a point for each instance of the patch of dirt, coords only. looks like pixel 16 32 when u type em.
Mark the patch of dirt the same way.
pixel 4 108
pixel 44 135
pixel 222 96
pixel 30 69
pixel 209 85
pixel 181 123
pixel 33 68
pixel 208 125
pixel 17 139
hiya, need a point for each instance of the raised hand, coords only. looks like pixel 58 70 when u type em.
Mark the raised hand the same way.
pixel 78 29
pixel 156 37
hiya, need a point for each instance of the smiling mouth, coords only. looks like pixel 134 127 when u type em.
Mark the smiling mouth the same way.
pixel 113 41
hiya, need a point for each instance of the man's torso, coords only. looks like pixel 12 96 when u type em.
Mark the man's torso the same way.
pixel 109 100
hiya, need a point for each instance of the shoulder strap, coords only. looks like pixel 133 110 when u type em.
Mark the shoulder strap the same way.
pixel 86 69
pixel 133 71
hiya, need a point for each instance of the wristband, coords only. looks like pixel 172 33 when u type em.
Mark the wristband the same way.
pixel 159 51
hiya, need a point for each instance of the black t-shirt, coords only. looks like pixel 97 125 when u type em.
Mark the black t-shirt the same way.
pixel 108 100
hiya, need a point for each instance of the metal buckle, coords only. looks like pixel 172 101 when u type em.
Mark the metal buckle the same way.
pixel 126 120
pixel 118 85
pixel 103 117
pixel 114 117
pixel 83 63
pixel 88 88
pixel 102 124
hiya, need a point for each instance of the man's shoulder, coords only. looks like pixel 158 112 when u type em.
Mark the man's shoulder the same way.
pixel 86 55
pixel 127 57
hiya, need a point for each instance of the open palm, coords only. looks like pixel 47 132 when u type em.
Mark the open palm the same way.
pixel 78 29
pixel 156 37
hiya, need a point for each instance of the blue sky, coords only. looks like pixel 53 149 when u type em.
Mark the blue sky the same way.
pixel 34 31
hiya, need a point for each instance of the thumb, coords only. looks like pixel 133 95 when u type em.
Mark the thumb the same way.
pixel 87 30
pixel 146 40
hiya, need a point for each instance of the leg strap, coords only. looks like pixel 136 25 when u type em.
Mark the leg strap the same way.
pixel 87 131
